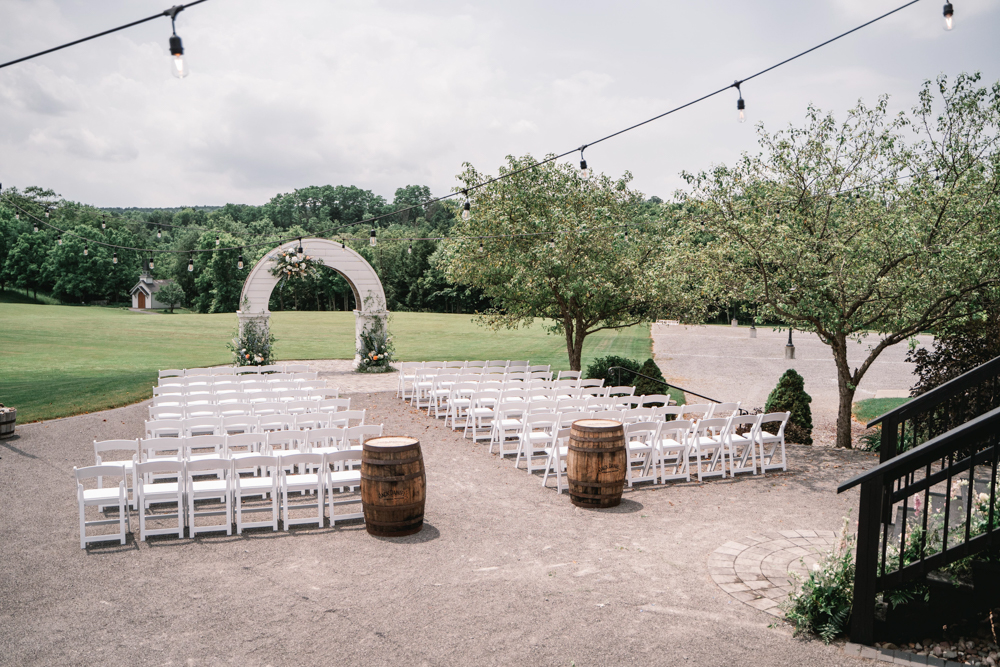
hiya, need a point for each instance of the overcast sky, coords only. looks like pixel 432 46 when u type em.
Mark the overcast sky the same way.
pixel 384 94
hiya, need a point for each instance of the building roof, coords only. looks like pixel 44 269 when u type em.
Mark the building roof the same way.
pixel 148 285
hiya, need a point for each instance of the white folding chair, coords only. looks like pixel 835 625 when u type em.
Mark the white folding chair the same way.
pixel 334 404
pixel 312 420
pixel 479 416
pixel 726 409
pixel 439 393
pixel 170 373
pixel 406 377
pixel 621 391
pixel 148 493
pixel 697 411
pixel 239 424
pixel 264 486
pixel 344 418
pixel 770 443
pixel 654 400
pixel 102 497
pixel 240 446
pixel 341 474
pixel 640 441
pixel 306 483
pixel 743 446
pixel 219 487
pixel 568 375
pixel 538 433
pixel 101 458
pixel 276 422
pixel 507 424
pixel 167 410
pixel 707 446
pixel 672 450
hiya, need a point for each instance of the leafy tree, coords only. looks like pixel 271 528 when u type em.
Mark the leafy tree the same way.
pixel 790 396
pixel 75 277
pixel 26 261
pixel 170 294
pixel 548 244
pixel 959 348
pixel 852 231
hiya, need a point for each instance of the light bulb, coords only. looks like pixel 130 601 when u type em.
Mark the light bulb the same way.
pixel 36 226
pixel 217 240
pixel 104 222
pixel 177 65
pixel 480 246
pixel 741 106
pixel 298 251
pixel 584 170
pixel 159 234
pixel 371 239
pixel 86 250
pixel 191 264
pixel 114 258
pixel 150 262
pixel 60 240
pixel 239 264
pixel 46 213
pixel 949 16
pixel 466 211
pixel 17 216
pixel 343 246
pixel 409 251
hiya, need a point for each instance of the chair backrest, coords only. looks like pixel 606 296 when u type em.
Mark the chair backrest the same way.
pixel 678 430
pixel 542 407
pixel 698 410
pixel 772 417
pixel 597 392
pixel 207 465
pixel 654 400
pixel 541 422
pixel 599 403
pixel 239 424
pixel 517 394
pixel 707 428
pixel 199 445
pixel 300 407
pixel 171 373
pixel 568 375
pixel 531 395
pixel 235 410
pixel 454 364
pixel 361 433
pixel 331 436
pixel 668 412
pixel 475 364
pixel 246 442
pixel 564 384
pixel 198 372
pixel 311 420
pixel 510 409
pixel 486 397
pixel 284 440
pixel 267 464
pixel 247 370
pixel 344 417
pixel 566 419
pixel 268 408
pixel 335 404
pixel 540 375
pixel 224 370
pixel 203 425
pixel 288 462
pixel 746 423
pixel 202 410
pixel 621 390
pixel 410 365
pixel 517 364
pixel 592 382
pixel 230 395
pixel 165 428
pixel 434 364
pixel 102 447
pixel 725 409
pixel 638 415
pixel 160 412
pixel 161 448
pixel 276 422
pixel 614 415
pixel 160 467
pixel 539 368
pixel 571 405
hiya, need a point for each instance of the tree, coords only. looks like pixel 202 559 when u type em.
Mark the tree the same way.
pixel 851 231
pixel 171 294
pixel 545 243
pixel 789 395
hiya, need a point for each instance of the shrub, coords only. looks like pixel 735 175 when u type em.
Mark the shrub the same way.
pixel 644 387
pixel 790 396
pixel 956 350
pixel 599 370
pixel 821 604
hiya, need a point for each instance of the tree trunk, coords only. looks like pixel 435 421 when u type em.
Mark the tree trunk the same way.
pixel 846 388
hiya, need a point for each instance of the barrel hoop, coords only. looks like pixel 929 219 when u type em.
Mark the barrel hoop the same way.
pixel 600 484
pixel 418 519
pixel 380 462
pixel 404 448
pixel 400 478
pixel 600 450
pixel 370 506
pixel 593 497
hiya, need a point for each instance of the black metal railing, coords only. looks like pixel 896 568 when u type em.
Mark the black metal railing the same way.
pixel 618 376
pixel 925 508
pixel 939 410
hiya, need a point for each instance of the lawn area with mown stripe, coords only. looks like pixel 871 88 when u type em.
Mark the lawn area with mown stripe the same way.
pixel 64 360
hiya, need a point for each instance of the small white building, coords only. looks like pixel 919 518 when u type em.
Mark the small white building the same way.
pixel 144 292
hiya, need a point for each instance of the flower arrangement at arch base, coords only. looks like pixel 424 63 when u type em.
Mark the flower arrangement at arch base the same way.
pixel 377 351
pixel 254 346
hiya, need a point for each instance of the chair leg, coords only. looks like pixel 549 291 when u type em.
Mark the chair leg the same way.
pixel 83 527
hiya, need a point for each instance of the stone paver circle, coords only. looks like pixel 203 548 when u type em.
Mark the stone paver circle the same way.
pixel 758 568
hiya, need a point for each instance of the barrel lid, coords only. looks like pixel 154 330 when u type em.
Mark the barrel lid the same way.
pixel 597 424
pixel 390 442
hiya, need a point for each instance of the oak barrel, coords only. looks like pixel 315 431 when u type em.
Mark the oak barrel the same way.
pixel 393 486
pixel 8 418
pixel 595 463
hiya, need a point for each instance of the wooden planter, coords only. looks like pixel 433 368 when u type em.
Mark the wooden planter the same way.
pixel 8 418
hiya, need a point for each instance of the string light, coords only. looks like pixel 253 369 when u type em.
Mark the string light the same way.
pixel 217 240
pixel 104 222
pixel 190 264
pixel 46 215
pixel 480 246
pixel 409 250
pixel 298 251
pixel 178 66
pixel 949 16
pixel 60 239
pixel 740 104
pixel 159 233
pixel 36 226
pixel 372 240
pixel 626 235
pixel 343 245
pixel 239 264
pixel 584 170
pixel 466 207
pixel 114 258
pixel 86 250
pixel 150 262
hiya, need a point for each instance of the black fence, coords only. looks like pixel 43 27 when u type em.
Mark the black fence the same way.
pixel 618 375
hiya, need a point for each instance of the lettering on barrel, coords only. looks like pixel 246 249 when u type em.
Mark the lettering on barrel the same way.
pixel 611 467
pixel 392 494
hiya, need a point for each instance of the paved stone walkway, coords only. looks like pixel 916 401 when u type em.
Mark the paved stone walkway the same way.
pixel 339 373
pixel 757 570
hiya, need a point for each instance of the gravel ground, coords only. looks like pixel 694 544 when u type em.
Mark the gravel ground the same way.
pixel 504 572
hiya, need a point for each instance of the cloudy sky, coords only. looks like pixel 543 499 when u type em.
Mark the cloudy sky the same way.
pixel 383 94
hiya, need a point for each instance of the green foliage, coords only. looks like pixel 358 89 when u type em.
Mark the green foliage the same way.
pixel 376 351
pixel 171 294
pixel 790 396
pixel 959 348
pixel 254 346
pixel 644 387
pixel 598 370
pixel 587 255
pixel 882 226
pixel 821 604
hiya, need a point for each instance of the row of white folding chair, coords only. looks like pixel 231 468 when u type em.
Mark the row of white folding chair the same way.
pixel 210 425
pixel 279 479
pixel 234 370
pixel 185 380
pixel 426 381
pixel 441 386
pixel 227 409
pixel 454 401
pixel 412 386
pixel 190 384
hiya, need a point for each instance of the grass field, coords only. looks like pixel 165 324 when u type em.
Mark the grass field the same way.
pixel 64 360
pixel 870 408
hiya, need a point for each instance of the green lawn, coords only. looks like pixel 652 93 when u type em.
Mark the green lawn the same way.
pixel 64 360
pixel 870 408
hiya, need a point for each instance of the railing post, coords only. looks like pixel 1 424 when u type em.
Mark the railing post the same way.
pixel 890 434
pixel 866 561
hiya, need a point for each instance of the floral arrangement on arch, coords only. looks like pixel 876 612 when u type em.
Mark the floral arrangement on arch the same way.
pixel 289 264
pixel 253 346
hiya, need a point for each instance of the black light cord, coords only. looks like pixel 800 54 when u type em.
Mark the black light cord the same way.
pixel 172 13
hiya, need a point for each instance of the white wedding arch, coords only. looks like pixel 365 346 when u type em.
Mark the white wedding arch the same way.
pixel 359 274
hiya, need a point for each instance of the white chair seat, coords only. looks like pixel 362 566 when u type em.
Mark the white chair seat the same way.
pixel 255 483
pixel 309 479
pixel 108 493
pixel 210 485
pixel 161 489
pixel 345 478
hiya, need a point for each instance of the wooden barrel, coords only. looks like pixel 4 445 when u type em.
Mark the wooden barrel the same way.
pixel 393 486
pixel 595 463
pixel 8 417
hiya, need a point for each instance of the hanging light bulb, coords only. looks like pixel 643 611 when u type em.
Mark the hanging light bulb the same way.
pixel 36 226
pixel 343 246
pixel 481 246
pixel 371 239
pixel 17 216
pixel 114 258
pixel 949 16
pixel 104 222
pixel 626 235
pixel 191 264
pixel 217 240
pixel 239 264
pixel 584 169
pixel 409 250
pixel 466 207
pixel 150 262
pixel 86 250
pixel 60 239
pixel 159 233
pixel 177 65
pixel 298 251
pixel 740 104
pixel 46 214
